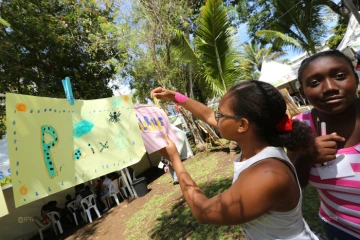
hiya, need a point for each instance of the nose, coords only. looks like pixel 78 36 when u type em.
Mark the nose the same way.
pixel 330 85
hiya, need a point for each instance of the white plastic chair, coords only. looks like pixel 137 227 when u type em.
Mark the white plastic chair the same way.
pixel 42 227
pixel 133 176
pixel 55 219
pixel 123 188
pixel 87 204
pixel 114 191
pixel 72 208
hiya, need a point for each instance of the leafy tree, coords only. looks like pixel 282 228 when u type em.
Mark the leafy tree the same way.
pixel 49 40
pixel 212 55
pixel 298 21
pixel 46 41
pixel 154 64
pixel 293 23
pixel 254 55
pixel 338 33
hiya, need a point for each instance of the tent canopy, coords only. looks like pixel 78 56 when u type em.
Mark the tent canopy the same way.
pixel 352 36
pixel 277 73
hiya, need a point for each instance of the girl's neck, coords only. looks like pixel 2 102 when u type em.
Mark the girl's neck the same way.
pixel 251 148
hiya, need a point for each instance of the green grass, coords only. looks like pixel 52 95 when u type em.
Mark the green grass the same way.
pixel 167 216
pixel 310 208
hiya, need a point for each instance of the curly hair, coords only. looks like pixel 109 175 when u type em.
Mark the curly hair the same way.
pixel 263 105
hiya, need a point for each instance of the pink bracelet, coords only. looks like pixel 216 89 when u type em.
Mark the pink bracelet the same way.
pixel 179 98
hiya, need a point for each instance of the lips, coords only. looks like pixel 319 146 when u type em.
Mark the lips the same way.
pixel 333 99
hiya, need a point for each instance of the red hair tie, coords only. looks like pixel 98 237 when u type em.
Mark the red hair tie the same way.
pixel 285 125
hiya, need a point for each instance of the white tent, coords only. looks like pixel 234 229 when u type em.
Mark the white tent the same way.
pixel 352 36
pixel 277 73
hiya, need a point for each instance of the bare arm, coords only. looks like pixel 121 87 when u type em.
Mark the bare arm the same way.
pixel 257 191
pixel 200 110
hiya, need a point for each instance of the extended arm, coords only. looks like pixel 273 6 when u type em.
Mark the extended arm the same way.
pixel 200 110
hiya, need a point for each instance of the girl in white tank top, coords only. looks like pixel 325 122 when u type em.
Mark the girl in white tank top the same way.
pixel 265 196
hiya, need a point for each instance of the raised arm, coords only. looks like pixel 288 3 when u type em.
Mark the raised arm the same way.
pixel 200 110
pixel 254 193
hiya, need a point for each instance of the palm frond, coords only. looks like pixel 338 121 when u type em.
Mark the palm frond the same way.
pixel 4 23
pixel 181 45
pixel 214 43
pixel 282 39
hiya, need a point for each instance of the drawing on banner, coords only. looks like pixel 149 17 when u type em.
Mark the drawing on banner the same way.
pixel 46 147
pixel 78 142
pixel 114 117
pixel 120 141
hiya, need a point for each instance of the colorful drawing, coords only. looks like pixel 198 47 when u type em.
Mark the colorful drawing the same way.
pixel 114 117
pixel 120 141
pixel 21 107
pixel 49 163
pixel 23 190
pixel 77 154
pixel 154 124
pixel 82 128
pixel 55 161
pixel 103 146
pixel 116 102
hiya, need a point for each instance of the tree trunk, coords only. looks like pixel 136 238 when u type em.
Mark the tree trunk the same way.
pixel 192 125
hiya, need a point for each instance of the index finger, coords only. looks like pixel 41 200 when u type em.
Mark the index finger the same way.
pixel 156 90
pixel 332 137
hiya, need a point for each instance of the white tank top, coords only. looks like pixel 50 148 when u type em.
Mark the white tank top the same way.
pixel 275 225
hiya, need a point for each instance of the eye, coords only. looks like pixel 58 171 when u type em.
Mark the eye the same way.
pixel 314 83
pixel 340 76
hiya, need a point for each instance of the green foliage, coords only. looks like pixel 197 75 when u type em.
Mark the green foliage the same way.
pixel 50 40
pixel 338 34
pixel 212 56
pixel 153 62
pixel 214 43
pixel 290 22
pixel 253 55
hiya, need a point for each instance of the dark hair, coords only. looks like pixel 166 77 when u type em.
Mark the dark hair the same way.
pixel 102 177
pixel 68 197
pixel 331 53
pixel 264 106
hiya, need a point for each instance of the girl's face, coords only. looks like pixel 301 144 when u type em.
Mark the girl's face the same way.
pixel 329 84
pixel 226 120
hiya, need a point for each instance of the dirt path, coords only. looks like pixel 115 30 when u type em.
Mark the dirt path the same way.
pixel 163 208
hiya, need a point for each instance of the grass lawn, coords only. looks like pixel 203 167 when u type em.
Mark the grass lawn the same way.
pixel 166 215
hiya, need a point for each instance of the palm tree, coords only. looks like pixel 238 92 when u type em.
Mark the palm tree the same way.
pixel 254 55
pixel 212 56
pixel 296 24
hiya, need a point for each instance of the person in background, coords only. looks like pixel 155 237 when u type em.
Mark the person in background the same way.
pixel 168 167
pixel 114 176
pixel 82 193
pixel 104 191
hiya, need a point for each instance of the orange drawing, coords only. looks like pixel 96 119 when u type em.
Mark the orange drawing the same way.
pixel 126 98
pixel 21 107
pixel 23 190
